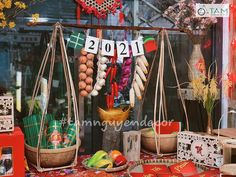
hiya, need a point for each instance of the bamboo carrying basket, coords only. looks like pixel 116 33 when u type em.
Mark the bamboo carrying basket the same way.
pixel 163 144
pixel 53 159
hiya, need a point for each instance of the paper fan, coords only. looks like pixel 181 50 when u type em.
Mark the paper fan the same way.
pixel 100 8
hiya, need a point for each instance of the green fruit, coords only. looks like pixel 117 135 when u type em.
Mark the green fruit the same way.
pixel 96 157
pixel 104 163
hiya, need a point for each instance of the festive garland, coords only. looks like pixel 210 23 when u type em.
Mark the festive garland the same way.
pixel 100 8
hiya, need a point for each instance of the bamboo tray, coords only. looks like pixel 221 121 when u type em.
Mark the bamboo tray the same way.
pixel 137 166
pixel 108 170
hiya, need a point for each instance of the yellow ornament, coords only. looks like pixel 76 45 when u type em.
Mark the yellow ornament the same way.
pixel 3 24
pixel 35 17
pixel 12 24
pixel 8 4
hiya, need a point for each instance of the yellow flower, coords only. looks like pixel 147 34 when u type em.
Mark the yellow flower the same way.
pixel 213 88
pixel 11 24
pixel 198 85
pixel 3 24
pixel 205 94
pixel 35 18
pixel 1 5
pixel 2 16
pixel 20 5
pixel 8 4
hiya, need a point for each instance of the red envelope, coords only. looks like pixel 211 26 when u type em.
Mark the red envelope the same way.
pixel 142 175
pixel 156 169
pixel 171 175
pixel 209 173
pixel 168 127
pixel 185 168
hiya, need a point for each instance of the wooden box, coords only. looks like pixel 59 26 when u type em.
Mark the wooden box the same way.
pixel 12 154
pixel 6 114
pixel 202 149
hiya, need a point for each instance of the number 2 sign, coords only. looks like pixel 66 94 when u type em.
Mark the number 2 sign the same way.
pixel 122 49
pixel 92 44
pixel 108 47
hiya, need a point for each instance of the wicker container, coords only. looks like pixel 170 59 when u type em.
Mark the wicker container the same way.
pixel 51 158
pixel 168 141
pixel 54 159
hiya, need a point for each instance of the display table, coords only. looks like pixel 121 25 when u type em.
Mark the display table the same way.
pixel 78 169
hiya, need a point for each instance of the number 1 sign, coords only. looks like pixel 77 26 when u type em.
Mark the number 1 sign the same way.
pixel 92 44
pixel 137 47
pixel 108 47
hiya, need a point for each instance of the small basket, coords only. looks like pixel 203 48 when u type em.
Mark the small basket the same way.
pixel 51 158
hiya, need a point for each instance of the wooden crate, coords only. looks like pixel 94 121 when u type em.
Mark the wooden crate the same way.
pixel 201 148
pixel 6 114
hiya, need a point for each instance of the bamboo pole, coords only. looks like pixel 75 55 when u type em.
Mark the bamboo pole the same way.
pixel 90 26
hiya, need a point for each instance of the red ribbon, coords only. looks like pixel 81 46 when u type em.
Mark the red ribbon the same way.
pixel 78 13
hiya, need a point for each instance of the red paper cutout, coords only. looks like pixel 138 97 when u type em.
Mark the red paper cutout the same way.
pixel 168 127
pixel 121 18
pixel 185 168
pixel 100 1
pixel 142 175
pixel 156 169
pixel 232 77
pixel 100 8
pixel 233 43
pixel 171 175
pixel 200 65
pixel 150 46
pixel 207 44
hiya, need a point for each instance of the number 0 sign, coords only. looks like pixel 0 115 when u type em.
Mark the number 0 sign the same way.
pixel 108 47
pixel 122 48
pixel 91 44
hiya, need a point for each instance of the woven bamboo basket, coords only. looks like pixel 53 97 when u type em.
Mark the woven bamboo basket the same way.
pixel 54 159
pixel 51 158
pixel 114 114
pixel 168 142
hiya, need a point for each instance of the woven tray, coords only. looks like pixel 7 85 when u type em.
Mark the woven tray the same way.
pixel 168 162
pixel 108 170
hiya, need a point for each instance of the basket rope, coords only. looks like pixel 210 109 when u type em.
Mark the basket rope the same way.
pixel 51 49
pixel 162 114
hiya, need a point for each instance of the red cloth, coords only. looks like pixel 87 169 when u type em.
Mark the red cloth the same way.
pixel 79 168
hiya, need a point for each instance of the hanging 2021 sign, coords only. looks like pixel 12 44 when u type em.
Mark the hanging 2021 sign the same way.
pixel 108 47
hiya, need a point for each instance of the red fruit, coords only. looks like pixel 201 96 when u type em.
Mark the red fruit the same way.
pixel 120 160
pixel 114 153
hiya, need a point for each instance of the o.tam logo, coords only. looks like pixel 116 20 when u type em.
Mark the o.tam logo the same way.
pixel 212 10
